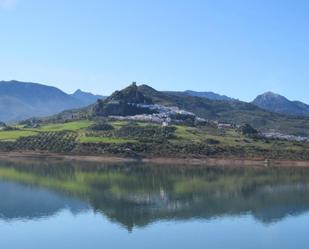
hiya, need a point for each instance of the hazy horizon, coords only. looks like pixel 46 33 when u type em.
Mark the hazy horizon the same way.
pixel 235 48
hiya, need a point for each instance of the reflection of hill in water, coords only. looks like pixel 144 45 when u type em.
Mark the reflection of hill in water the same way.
pixel 22 202
pixel 136 195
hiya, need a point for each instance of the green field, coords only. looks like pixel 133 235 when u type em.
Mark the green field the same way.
pixel 120 123
pixel 70 126
pixel 13 135
pixel 26 132
pixel 183 134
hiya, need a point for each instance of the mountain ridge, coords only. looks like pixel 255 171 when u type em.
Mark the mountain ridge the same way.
pixel 22 100
pixel 13 108
pixel 207 94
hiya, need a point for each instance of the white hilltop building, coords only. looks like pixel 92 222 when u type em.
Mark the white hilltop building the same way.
pixel 162 114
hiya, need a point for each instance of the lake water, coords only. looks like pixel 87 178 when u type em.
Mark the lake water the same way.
pixel 56 204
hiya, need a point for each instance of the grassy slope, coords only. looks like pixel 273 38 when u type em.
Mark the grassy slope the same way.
pixel 230 137
pixel 76 126
pixel 70 126
pixel 13 135
pixel 61 138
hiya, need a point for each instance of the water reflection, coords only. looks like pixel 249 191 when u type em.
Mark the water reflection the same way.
pixel 20 202
pixel 137 195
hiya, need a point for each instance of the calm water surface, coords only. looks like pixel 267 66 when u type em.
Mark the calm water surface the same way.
pixel 54 204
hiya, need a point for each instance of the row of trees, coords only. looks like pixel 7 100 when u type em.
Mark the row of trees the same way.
pixel 49 141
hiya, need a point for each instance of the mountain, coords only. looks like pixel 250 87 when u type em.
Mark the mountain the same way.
pixel 85 97
pixel 276 103
pixel 208 95
pixel 21 100
pixel 133 99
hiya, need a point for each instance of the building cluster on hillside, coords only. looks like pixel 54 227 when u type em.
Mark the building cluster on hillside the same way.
pixel 172 110
pixel 221 125
pixel 161 114
pixel 278 135
pixel 270 135
pixel 154 118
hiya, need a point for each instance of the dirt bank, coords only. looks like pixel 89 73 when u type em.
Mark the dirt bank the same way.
pixel 209 161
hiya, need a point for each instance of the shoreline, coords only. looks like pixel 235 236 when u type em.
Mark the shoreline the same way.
pixel 209 161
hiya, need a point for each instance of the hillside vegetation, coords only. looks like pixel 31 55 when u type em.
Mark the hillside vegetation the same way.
pixel 142 139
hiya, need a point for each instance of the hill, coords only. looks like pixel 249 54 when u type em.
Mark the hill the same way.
pixel 126 102
pixel 138 139
pixel 233 112
pixel 21 100
pixel 276 103
pixel 237 112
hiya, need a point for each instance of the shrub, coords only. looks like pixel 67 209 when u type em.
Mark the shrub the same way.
pixel 101 127
pixel 212 141
pixel 10 128
pixel 248 130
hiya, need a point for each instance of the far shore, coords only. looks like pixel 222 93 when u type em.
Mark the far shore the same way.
pixel 209 161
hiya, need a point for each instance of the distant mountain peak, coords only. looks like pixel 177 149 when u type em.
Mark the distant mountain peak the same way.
pixel 271 94
pixel 86 98
pixel 274 102
pixel 78 91
pixel 270 98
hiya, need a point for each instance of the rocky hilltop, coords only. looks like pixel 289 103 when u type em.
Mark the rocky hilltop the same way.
pixel 132 103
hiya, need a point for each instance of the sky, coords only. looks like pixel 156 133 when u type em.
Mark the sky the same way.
pixel 240 48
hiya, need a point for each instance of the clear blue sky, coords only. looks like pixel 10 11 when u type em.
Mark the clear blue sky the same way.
pixel 240 48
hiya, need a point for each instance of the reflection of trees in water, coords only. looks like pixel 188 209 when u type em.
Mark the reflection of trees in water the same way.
pixel 136 195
